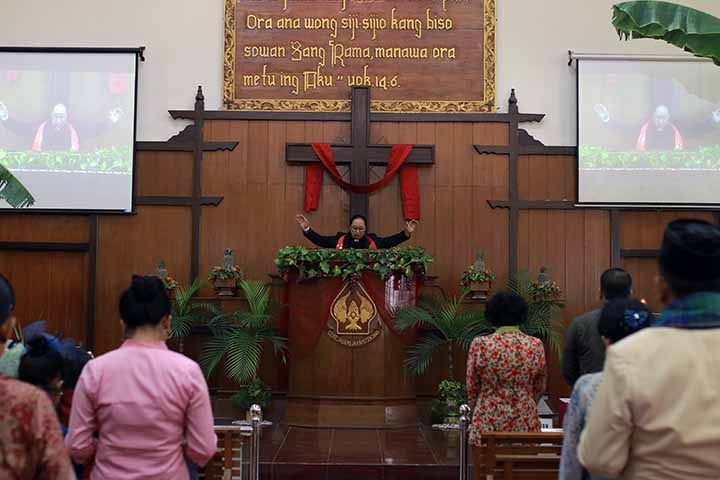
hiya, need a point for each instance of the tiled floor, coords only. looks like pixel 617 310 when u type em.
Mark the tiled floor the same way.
pixel 358 454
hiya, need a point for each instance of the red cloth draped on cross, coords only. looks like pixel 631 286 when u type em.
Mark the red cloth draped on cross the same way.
pixel 408 179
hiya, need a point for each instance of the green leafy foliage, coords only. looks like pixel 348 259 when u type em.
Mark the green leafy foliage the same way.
pixel 254 393
pixel 702 158
pixel 110 160
pixel 692 30
pixel 225 273
pixel 12 190
pixel 443 322
pixel 440 322
pixel 446 404
pixel 187 313
pixel 238 337
pixel 329 263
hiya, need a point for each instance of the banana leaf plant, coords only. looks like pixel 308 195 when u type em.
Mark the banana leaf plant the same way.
pixel 239 337
pixel 692 30
pixel 13 191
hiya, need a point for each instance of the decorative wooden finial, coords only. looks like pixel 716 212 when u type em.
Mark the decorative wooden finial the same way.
pixel 199 97
pixel 512 103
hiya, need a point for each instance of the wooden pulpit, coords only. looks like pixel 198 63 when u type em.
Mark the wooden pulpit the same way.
pixel 346 359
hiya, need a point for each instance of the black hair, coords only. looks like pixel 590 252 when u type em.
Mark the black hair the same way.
pixel 73 365
pixel 615 283
pixel 361 217
pixel 690 257
pixel 621 317
pixel 506 309
pixel 682 287
pixel 146 302
pixel 7 299
pixel 40 363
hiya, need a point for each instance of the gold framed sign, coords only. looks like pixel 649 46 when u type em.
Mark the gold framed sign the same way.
pixel 418 56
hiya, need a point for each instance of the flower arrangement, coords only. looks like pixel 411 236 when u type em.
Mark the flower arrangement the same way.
pixel 543 288
pixel 162 272
pixel 228 270
pixel 170 283
pixel 477 272
pixel 226 277
pixel 225 273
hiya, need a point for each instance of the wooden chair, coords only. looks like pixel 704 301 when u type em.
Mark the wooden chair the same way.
pixel 513 455
pixel 227 464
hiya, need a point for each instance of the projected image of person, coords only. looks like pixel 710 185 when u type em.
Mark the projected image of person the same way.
pixel 659 133
pixel 56 134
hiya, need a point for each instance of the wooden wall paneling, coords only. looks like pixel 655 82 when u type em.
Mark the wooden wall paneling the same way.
pixel 425 234
pixel 644 273
pixel 173 169
pixel 225 173
pixel 135 244
pixel 49 286
pixel 44 228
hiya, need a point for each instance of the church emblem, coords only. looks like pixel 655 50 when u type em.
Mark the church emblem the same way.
pixel 353 315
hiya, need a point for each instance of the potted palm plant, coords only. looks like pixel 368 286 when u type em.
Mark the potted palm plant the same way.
pixel 239 338
pixel 186 313
pixel 442 323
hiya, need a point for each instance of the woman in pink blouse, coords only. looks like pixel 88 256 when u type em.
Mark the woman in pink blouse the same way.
pixel 506 374
pixel 142 409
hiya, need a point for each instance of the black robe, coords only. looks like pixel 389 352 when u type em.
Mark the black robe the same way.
pixel 332 240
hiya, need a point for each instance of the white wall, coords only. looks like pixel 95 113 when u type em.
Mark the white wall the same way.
pixel 184 49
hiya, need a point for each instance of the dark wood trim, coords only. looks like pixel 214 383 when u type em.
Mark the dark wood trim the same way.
pixel 197 183
pixel 639 253
pixel 521 143
pixel 533 204
pixel 615 225
pixel 163 147
pixel 183 146
pixel 346 116
pixel 91 282
pixel 377 155
pixel 45 247
pixel 156 201
pixel 528 150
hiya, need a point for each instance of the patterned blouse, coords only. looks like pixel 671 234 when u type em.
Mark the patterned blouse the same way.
pixel 31 442
pixel 506 377
pixel 582 397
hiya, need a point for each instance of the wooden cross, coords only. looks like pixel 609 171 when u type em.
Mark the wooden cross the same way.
pixel 521 143
pixel 360 154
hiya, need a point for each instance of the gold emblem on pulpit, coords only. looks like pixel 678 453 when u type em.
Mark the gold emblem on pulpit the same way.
pixel 354 314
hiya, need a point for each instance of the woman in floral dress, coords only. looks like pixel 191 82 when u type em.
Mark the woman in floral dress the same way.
pixel 506 374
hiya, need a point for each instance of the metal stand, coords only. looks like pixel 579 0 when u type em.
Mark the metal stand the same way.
pixel 464 422
pixel 256 424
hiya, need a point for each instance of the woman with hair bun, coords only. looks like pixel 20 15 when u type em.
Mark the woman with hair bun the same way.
pixel 42 366
pixel 141 409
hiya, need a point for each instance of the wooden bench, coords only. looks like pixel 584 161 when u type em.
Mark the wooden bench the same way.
pixel 513 455
pixel 227 464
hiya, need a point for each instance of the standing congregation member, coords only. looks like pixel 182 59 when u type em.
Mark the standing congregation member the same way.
pixel 656 414
pixel 584 350
pixel 31 444
pixel 619 318
pixel 506 374
pixel 142 409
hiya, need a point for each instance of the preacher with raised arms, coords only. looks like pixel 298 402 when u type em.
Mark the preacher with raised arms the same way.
pixel 357 236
